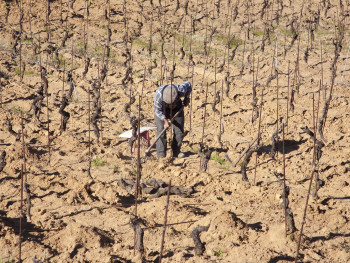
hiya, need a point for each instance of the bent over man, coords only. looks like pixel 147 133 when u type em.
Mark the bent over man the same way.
pixel 167 103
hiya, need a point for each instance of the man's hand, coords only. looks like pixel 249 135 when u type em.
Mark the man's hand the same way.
pixel 166 123
pixel 186 101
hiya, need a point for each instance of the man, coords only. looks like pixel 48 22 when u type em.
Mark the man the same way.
pixel 167 103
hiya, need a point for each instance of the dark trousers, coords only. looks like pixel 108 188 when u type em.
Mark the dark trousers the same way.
pixel 178 134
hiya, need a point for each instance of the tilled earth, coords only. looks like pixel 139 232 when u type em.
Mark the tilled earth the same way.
pixel 74 217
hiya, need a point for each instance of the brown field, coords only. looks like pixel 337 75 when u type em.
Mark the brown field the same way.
pixel 78 218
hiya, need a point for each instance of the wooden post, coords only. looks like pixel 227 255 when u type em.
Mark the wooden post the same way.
pixel 165 223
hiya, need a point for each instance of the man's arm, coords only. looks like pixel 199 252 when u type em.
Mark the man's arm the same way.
pixel 158 104
pixel 185 89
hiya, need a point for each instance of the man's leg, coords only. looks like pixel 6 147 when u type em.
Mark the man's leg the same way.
pixel 161 143
pixel 178 126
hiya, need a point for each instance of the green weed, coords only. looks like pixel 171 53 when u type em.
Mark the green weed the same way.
pixel 218 159
pixel 140 43
pixel 258 33
pixel 60 60
pixel 218 253
pixel 17 71
pixel 286 31
pixel 16 110
pixel 98 162
pixel 221 161
pixel 220 38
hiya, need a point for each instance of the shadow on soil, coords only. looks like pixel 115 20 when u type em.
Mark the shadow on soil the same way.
pixel 289 146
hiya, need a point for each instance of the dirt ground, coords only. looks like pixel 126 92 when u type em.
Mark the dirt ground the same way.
pixel 73 217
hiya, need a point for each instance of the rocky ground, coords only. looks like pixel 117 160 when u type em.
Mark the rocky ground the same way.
pixel 77 217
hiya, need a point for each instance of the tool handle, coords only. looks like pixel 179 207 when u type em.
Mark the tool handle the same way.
pixel 160 134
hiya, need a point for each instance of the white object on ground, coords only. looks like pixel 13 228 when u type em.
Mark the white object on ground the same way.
pixel 128 133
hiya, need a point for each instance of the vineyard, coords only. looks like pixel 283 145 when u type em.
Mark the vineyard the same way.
pixel 265 176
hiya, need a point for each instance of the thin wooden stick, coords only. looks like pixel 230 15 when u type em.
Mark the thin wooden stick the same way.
pixel 253 86
pixel 192 83
pixel 215 79
pixel 48 117
pixel 345 63
pixel 257 138
pixel 89 142
pixel 284 181
pixel 150 36
pixel 205 112
pixel 307 197
pixel 221 102
pixel 165 223
pixel 20 220
pixel 288 98
pixel 206 63
pixel 64 72
pixel 314 157
pixel 87 26
pixel 143 83
pixel 72 55
pixel 318 103
pixel 0 93
pixel 100 99
pixel 182 49
pixel 48 20
pixel 138 175
pixel 277 100
pixel 297 69
pixel 172 76
pixel 242 69
pixel 304 216
pixel 314 125
pixel 108 41
pixel 323 87
pixel 21 11
pixel 190 52
pixel 161 71
pixel 30 19
pixel 204 117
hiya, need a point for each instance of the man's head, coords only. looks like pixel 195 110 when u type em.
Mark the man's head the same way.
pixel 169 94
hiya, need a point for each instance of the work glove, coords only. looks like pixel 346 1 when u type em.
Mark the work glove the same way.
pixel 186 101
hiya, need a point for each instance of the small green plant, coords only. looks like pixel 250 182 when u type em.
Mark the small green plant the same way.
pixel 236 42
pixel 61 61
pixel 140 43
pixel 258 33
pixel 218 253
pixel 220 38
pixel 17 71
pixel 218 159
pixel 46 29
pixel 286 31
pixel 16 109
pixel 98 162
